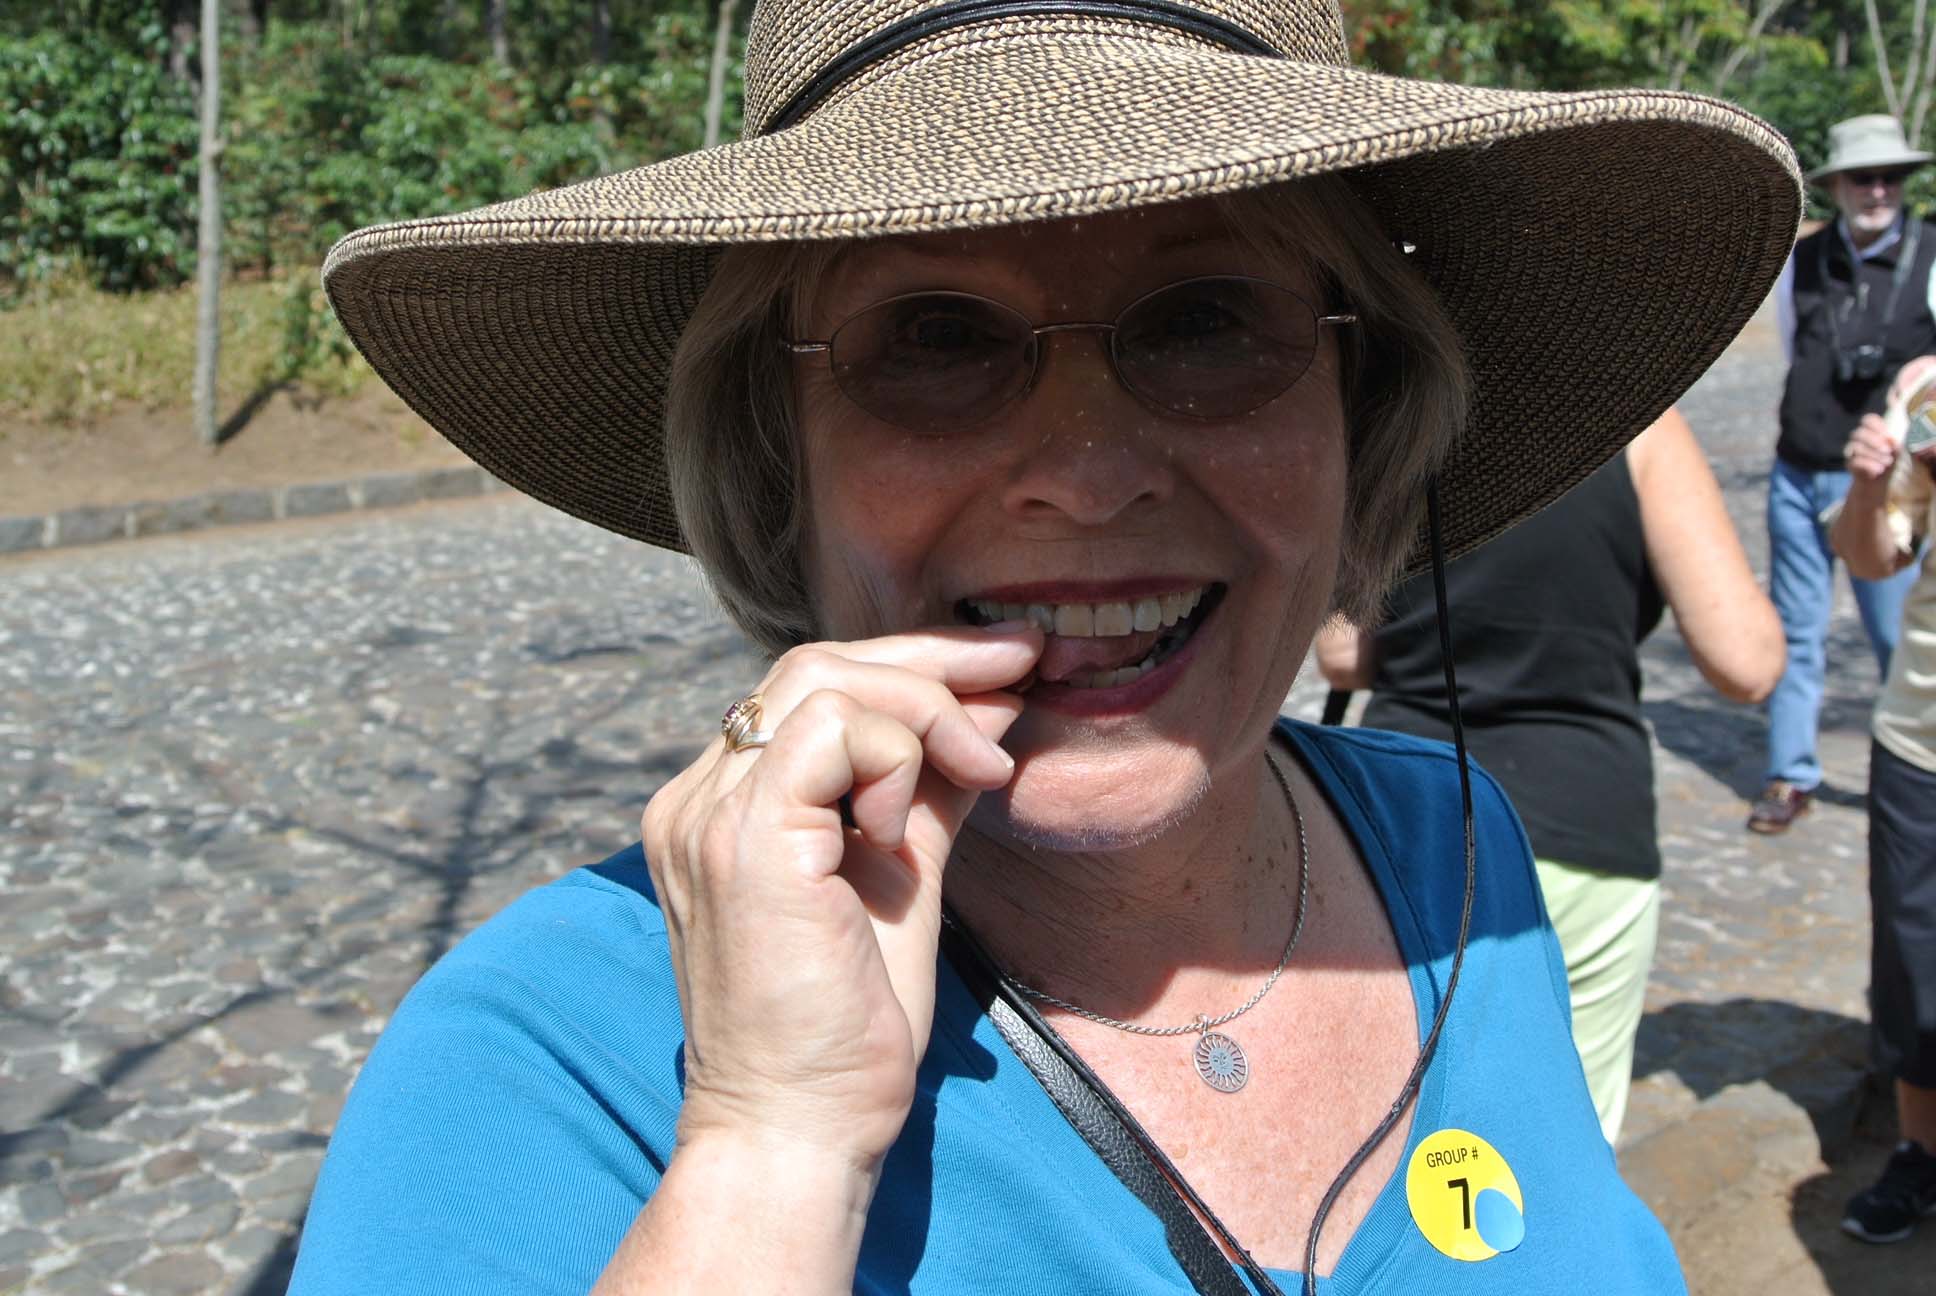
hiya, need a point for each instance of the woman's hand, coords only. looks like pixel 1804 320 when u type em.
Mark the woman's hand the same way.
pixel 1871 451
pixel 1861 534
pixel 805 950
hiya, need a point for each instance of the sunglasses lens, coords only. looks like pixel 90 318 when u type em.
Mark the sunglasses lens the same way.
pixel 933 362
pixel 1217 347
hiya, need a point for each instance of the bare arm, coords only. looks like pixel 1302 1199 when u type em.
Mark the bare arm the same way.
pixel 1861 535
pixel 1731 629
pixel 736 1216
pixel 1347 656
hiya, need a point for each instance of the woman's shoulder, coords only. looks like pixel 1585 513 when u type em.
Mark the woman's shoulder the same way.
pixel 538 1061
pixel 1400 797
pixel 1388 772
pixel 596 924
pixel 579 959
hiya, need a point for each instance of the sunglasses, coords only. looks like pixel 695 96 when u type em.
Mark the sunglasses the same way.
pixel 1864 179
pixel 1209 348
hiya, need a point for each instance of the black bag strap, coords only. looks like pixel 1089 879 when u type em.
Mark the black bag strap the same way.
pixel 1104 1123
pixel 1912 233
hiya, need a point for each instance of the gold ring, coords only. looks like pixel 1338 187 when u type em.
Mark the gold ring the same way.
pixel 740 725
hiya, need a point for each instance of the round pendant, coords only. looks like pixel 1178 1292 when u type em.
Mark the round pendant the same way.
pixel 1221 1063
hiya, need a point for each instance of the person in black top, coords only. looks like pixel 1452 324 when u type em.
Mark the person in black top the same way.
pixel 1548 620
pixel 1855 302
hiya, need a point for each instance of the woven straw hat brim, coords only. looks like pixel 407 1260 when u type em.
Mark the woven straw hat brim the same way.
pixel 1594 250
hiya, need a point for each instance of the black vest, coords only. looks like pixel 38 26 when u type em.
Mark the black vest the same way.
pixel 1546 624
pixel 1818 411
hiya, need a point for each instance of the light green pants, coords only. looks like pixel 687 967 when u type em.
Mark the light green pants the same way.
pixel 1607 925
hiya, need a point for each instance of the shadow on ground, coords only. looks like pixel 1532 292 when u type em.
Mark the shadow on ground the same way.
pixel 1816 1059
pixel 1728 741
pixel 1848 1267
pixel 560 766
pixel 1752 1195
pixel 502 783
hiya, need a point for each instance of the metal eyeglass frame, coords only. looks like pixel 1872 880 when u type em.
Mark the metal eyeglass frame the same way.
pixel 1109 328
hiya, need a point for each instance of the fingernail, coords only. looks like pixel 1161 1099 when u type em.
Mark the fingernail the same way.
pixel 1007 760
pixel 1007 627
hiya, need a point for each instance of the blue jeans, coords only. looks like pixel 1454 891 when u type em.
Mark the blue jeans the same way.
pixel 1801 582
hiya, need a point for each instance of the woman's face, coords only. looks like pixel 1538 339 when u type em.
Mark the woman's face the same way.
pixel 1080 502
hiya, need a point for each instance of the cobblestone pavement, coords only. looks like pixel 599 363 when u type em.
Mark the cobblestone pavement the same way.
pixel 253 782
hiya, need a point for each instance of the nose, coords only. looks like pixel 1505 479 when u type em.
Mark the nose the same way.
pixel 1086 449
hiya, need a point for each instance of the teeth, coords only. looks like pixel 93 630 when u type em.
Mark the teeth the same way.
pixel 1114 678
pixel 1111 620
pixel 1094 620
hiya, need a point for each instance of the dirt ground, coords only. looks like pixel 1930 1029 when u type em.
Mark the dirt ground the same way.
pixel 135 454
pixel 1788 1239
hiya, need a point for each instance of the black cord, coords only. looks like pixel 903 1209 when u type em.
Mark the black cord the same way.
pixel 940 18
pixel 1336 703
pixel 1431 1044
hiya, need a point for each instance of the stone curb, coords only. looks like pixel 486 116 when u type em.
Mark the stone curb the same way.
pixel 99 523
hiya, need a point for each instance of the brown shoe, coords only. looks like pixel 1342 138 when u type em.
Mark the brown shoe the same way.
pixel 1779 805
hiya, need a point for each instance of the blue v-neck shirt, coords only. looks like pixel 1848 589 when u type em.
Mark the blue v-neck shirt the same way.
pixel 521 1106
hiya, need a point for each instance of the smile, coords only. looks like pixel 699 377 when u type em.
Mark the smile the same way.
pixel 1104 645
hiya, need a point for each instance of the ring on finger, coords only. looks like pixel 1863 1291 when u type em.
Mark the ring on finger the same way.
pixel 740 725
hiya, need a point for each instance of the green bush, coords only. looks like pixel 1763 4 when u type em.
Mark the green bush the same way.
pixel 97 164
pixel 322 141
pixel 98 144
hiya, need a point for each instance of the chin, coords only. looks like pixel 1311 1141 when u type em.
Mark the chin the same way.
pixel 1087 810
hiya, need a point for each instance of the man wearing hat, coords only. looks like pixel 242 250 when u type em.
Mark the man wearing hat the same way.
pixel 1855 302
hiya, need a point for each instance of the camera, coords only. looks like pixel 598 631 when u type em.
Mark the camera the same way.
pixel 1861 363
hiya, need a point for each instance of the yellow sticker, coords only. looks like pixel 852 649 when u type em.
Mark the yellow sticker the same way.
pixel 1464 1197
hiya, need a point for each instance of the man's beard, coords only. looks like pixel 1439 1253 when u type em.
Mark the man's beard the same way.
pixel 1877 221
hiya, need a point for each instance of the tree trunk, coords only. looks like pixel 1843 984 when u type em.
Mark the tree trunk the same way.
pixel 601 32
pixel 181 35
pixel 1882 59
pixel 208 246
pixel 494 21
pixel 716 83
pixel 1920 99
pixel 1768 9
pixel 1684 50
pixel 1914 57
pixel 1841 51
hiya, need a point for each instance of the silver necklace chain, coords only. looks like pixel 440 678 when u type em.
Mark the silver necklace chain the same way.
pixel 1203 1025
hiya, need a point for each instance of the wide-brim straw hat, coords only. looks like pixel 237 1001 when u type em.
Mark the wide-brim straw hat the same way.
pixel 1595 250
pixel 1872 142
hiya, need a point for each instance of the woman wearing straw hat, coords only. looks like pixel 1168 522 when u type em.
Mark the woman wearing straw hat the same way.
pixel 1033 380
